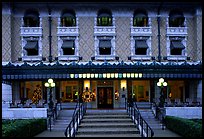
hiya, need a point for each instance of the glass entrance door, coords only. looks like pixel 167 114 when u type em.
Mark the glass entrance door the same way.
pixel 105 97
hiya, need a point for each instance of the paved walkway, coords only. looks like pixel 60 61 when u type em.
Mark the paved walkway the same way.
pixel 48 133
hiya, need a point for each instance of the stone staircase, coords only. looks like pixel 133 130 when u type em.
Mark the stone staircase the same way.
pixel 107 123
pixel 148 115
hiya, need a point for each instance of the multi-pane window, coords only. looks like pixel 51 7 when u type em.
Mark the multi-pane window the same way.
pixel 176 19
pixel 68 19
pixel 31 47
pixel 68 47
pixel 141 47
pixel 104 47
pixel 104 18
pixel 140 19
pixel 31 19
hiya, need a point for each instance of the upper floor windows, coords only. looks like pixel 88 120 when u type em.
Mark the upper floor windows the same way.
pixel 31 18
pixel 140 18
pixel 176 19
pixel 104 18
pixel 68 18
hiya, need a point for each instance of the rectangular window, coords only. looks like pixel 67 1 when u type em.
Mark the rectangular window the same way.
pixel 68 47
pixel 176 47
pixel 140 47
pixel 105 47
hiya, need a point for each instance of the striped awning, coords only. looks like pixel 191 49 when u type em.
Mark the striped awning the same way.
pixel 31 45
pixel 141 44
pixel 177 44
pixel 68 44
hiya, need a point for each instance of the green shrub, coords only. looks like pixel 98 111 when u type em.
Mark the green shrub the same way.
pixel 184 127
pixel 23 127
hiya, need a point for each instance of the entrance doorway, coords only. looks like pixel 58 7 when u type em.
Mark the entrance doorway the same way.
pixel 105 97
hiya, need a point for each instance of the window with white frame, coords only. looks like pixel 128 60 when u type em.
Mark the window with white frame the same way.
pixel 105 47
pixel 141 34
pixel 176 35
pixel 31 36
pixel 68 35
pixel 31 46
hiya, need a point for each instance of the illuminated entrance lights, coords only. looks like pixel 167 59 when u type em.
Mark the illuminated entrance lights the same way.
pixel 105 75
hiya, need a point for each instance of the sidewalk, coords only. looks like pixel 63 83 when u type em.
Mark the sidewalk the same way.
pixel 48 133
pixel 165 133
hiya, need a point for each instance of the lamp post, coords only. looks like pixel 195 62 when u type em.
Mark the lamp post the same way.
pixel 50 84
pixel 161 84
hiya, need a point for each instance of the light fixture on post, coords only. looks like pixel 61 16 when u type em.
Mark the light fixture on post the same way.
pixel 161 84
pixel 50 84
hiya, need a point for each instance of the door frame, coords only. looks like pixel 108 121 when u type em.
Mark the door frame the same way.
pixel 106 106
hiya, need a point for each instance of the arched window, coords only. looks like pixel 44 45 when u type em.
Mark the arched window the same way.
pixel 31 18
pixel 104 18
pixel 176 19
pixel 68 18
pixel 140 18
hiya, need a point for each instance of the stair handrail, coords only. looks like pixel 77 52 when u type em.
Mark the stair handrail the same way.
pixel 133 111
pixel 77 116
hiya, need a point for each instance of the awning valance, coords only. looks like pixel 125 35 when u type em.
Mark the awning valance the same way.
pixel 141 44
pixel 31 45
pixel 177 44
pixel 105 44
pixel 68 44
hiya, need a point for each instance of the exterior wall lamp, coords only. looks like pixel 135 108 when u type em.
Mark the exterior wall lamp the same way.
pixel 50 84
pixel 161 84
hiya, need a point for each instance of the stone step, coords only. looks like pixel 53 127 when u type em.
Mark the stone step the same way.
pixel 109 135
pixel 108 124
pixel 105 120
pixel 105 116
pixel 107 131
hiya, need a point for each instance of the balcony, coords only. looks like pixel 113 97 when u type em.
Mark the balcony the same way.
pixel 141 31
pixel 104 30
pixel 31 31
pixel 176 31
pixel 67 31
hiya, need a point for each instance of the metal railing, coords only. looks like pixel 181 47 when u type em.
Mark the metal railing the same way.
pixel 145 129
pixel 52 116
pixel 77 116
pixel 159 114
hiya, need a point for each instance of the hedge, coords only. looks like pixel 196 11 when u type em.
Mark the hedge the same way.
pixel 23 127
pixel 184 127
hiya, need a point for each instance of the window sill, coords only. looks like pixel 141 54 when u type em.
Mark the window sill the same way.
pixel 31 58
pixel 177 58
pixel 68 58
pixel 141 57
pixel 105 57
